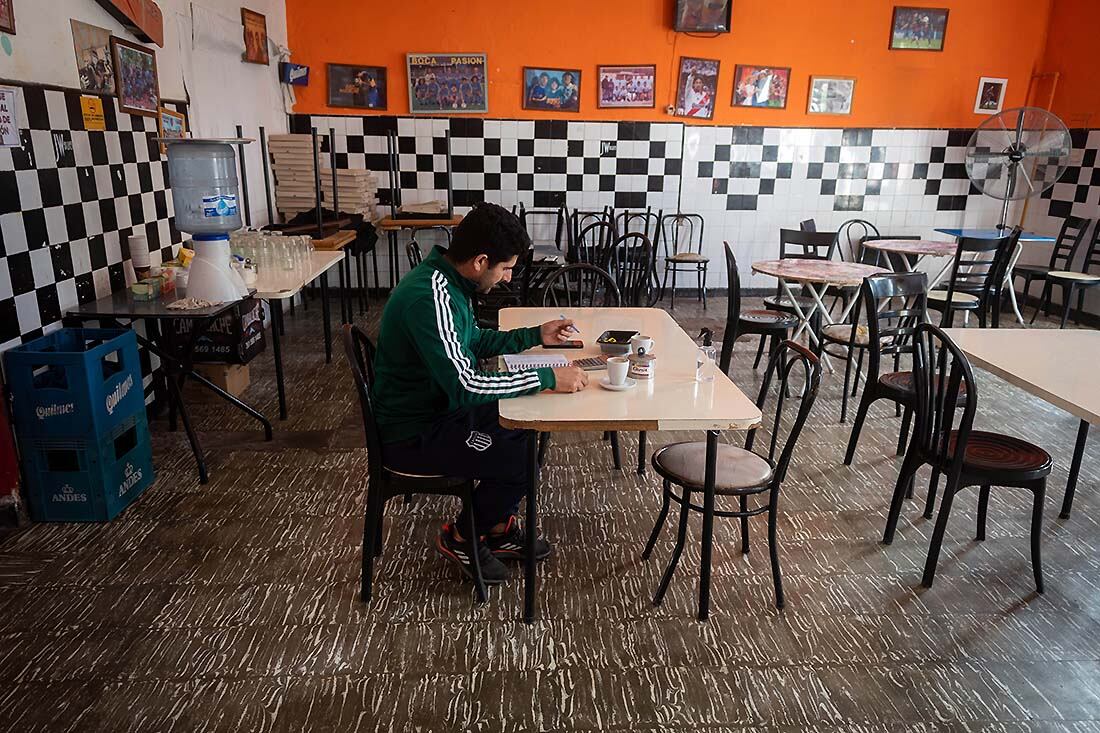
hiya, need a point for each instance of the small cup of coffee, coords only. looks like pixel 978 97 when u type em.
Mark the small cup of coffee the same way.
pixel 617 367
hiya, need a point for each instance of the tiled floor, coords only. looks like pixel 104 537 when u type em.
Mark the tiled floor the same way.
pixel 233 606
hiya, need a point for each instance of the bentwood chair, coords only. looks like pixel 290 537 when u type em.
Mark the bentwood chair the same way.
pixel 413 253
pixel 739 473
pixel 1070 238
pixel 893 305
pixel 682 237
pixel 514 294
pixel 773 326
pixel 629 260
pixel 591 243
pixel 946 399
pixel 648 224
pixel 579 220
pixel 1074 283
pixel 850 237
pixel 385 483
pixel 584 286
pixel 977 277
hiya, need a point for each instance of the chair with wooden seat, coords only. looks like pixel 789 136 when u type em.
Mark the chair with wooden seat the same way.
pixel 384 483
pixel 682 236
pixel 892 305
pixel 946 399
pixel 740 473
pixel 1069 240
pixel 771 326
pixel 977 278
pixel 795 244
pixel 1074 283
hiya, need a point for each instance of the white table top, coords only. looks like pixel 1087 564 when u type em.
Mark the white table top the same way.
pixel 919 247
pixel 672 400
pixel 322 262
pixel 817 271
pixel 1058 366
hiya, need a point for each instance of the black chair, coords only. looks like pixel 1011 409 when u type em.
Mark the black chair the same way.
pixel 629 260
pixel 578 221
pixel 1074 283
pixel 582 285
pixel 514 294
pixel 534 220
pixel 739 473
pixel 383 483
pixel 850 237
pixel 592 242
pixel 413 253
pixel 807 225
pixel 1070 238
pixel 768 324
pixel 805 246
pixel 646 223
pixel 894 305
pixel 946 399
pixel 682 236
pixel 977 279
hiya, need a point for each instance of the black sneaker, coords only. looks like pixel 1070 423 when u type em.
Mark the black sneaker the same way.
pixel 511 544
pixel 493 571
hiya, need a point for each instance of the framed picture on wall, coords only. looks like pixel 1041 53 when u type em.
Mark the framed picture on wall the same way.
pixel 92 45
pixel 703 16
pixel 626 86
pixel 696 86
pixel 7 17
pixel 831 95
pixel 447 82
pixel 554 90
pixel 170 124
pixel 365 87
pixel 991 95
pixel 135 77
pixel 918 29
pixel 761 86
pixel 255 37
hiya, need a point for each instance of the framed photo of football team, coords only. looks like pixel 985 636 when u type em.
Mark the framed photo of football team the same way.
pixel 626 86
pixel 553 90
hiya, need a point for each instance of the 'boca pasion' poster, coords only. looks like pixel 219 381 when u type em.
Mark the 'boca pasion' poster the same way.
pixel 447 82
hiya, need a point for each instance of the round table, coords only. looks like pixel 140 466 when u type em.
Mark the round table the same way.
pixel 817 276
pixel 918 248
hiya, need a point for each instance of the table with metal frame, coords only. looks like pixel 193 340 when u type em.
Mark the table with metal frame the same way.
pixel 1025 238
pixel 1058 366
pixel 392 227
pixel 817 276
pixel 121 310
pixel 672 400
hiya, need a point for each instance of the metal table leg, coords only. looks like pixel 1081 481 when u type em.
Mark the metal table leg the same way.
pixel 530 579
pixel 1074 469
pixel 708 524
pixel 326 317
pixel 277 352
pixel 395 275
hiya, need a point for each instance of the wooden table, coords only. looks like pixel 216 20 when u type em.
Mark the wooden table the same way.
pixel 1058 366
pixel 918 249
pixel 320 264
pixel 392 226
pixel 817 276
pixel 1025 237
pixel 673 400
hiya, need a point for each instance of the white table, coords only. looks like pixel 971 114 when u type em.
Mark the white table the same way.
pixel 1058 366
pixel 321 262
pixel 672 400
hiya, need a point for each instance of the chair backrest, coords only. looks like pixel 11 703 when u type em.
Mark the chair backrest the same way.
pixel 412 251
pixel 794 244
pixel 360 353
pixel 894 304
pixel 591 243
pixel 979 268
pixel 1069 240
pixel 538 221
pixel 807 225
pixel 642 222
pixel 581 286
pixel 850 237
pixel 897 261
pixel 733 309
pixel 787 360
pixel 1092 255
pixel 629 259
pixel 682 233
pixel 580 219
pixel 946 397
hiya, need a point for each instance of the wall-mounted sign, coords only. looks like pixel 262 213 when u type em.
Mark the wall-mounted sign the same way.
pixel 9 123
pixel 141 17
pixel 295 74
pixel 91 108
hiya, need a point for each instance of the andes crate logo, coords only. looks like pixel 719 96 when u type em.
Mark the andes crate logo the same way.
pixel 69 495
pixel 131 476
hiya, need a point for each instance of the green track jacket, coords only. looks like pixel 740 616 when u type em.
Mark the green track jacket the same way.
pixel 426 364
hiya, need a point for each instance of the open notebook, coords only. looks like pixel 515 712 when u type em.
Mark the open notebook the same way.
pixel 520 362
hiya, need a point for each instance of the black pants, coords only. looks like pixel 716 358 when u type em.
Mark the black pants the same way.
pixel 471 444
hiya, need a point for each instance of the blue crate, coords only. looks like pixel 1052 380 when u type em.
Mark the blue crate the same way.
pixel 74 480
pixel 75 382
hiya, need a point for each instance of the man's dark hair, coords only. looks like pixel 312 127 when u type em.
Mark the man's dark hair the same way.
pixel 489 230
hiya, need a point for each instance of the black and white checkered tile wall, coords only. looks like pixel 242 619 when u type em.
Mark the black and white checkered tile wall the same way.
pixel 69 200
pixel 1077 192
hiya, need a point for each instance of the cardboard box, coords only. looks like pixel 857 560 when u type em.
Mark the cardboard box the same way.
pixel 233 378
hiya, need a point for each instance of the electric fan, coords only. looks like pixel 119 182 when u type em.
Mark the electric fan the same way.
pixel 1016 154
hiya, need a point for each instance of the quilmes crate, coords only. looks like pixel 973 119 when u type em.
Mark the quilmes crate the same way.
pixel 87 480
pixel 75 382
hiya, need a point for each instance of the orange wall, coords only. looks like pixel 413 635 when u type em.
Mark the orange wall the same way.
pixel 1000 38
pixel 1071 51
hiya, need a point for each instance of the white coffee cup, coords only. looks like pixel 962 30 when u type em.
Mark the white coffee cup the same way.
pixel 640 344
pixel 617 367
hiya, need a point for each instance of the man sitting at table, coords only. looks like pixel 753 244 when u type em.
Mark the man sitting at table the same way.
pixel 437 411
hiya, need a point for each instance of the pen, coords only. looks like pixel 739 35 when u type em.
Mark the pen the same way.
pixel 572 328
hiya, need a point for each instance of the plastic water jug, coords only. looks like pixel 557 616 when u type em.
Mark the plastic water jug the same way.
pixel 204 187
